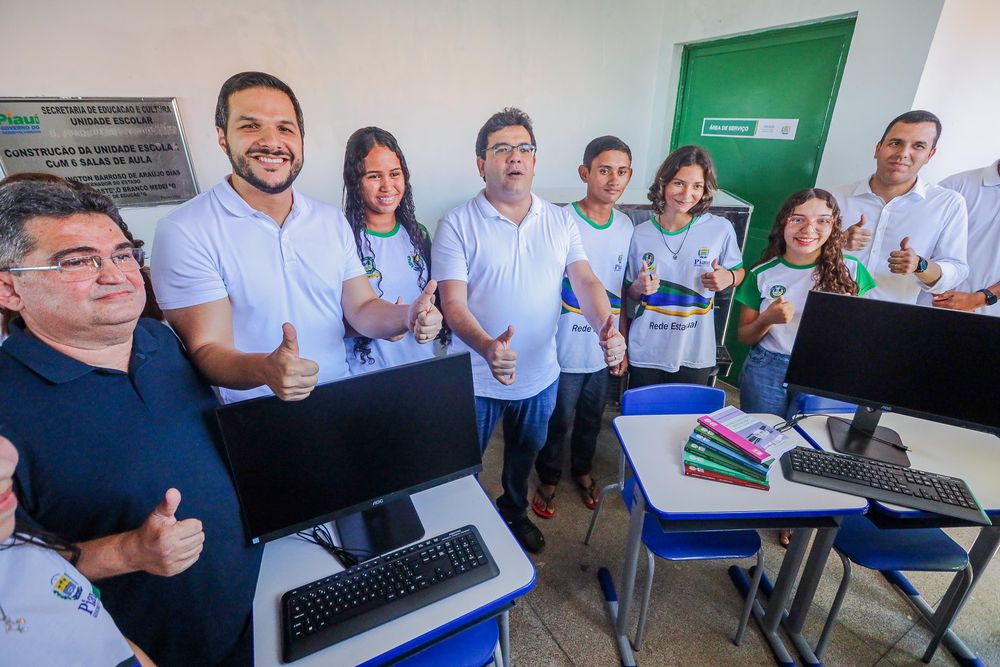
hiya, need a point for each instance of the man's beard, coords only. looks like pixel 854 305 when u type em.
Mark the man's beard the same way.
pixel 241 167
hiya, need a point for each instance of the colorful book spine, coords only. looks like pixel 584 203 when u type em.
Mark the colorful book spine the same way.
pixel 750 449
pixel 695 471
pixel 709 445
pixel 702 462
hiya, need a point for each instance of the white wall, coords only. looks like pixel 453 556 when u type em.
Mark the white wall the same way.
pixel 432 72
pixel 960 84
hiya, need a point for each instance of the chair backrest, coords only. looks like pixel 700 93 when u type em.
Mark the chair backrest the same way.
pixel 672 399
pixel 808 404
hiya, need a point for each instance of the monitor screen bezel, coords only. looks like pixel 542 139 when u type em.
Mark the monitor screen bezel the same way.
pixel 357 507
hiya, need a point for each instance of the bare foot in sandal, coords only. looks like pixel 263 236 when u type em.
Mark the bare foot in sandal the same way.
pixel 784 537
pixel 588 491
pixel 544 502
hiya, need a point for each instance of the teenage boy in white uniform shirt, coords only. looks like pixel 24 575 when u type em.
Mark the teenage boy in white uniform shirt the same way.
pixel 500 260
pixel 910 234
pixel 255 277
pixel 981 190
pixel 584 377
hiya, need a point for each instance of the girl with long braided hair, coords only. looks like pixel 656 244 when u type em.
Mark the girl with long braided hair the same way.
pixel 393 247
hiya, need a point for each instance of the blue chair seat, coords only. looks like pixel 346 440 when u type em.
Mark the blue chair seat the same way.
pixel 810 404
pixel 469 648
pixel 911 550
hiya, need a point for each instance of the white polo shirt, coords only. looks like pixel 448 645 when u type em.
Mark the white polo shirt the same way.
pixel 577 344
pixel 933 217
pixel 981 190
pixel 218 246
pixel 514 274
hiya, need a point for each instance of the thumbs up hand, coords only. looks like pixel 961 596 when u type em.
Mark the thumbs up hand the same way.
pixel 719 278
pixel 857 237
pixel 502 359
pixel 423 319
pixel 162 545
pixel 905 260
pixel 288 375
pixel 779 312
pixel 648 279
pixel 613 344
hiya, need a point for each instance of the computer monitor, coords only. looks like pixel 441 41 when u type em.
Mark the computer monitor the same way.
pixel 927 362
pixel 353 452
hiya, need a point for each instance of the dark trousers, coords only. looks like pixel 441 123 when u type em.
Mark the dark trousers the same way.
pixel 524 426
pixel 585 394
pixel 640 377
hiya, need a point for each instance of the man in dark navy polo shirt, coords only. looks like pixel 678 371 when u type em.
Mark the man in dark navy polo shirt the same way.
pixel 115 431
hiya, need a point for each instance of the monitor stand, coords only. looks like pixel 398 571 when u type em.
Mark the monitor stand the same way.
pixel 864 437
pixel 378 530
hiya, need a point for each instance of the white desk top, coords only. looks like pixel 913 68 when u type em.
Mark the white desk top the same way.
pixel 290 562
pixel 948 450
pixel 654 446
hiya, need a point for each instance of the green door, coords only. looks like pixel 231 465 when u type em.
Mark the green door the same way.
pixel 761 104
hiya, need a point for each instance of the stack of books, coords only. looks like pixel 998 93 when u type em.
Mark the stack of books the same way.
pixel 730 446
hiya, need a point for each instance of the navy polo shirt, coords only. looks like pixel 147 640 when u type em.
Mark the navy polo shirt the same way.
pixel 98 449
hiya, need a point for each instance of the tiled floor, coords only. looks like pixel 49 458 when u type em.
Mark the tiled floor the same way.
pixel 694 610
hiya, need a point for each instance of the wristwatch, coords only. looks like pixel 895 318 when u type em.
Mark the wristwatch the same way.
pixel 921 265
pixel 991 298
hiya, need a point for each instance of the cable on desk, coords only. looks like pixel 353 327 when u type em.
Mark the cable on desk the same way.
pixel 320 535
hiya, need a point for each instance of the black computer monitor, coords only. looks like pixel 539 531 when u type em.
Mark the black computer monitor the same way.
pixel 353 452
pixel 926 362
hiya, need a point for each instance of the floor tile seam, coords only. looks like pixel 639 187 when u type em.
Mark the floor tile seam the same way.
pixel 548 630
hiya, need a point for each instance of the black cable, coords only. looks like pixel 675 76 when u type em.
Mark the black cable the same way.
pixel 320 535
pixel 788 424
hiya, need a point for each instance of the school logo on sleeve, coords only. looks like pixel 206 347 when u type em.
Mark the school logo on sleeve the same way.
pixel 369 265
pixel 650 260
pixel 620 263
pixel 415 261
pixel 776 291
pixel 64 586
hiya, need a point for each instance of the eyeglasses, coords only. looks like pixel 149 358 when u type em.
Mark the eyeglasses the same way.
pixel 821 221
pixel 74 269
pixel 502 150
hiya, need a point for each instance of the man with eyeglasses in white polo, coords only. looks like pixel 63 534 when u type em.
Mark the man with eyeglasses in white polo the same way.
pixel 113 428
pixel 500 260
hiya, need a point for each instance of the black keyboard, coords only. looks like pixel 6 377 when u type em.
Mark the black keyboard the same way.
pixel 886 482
pixel 377 591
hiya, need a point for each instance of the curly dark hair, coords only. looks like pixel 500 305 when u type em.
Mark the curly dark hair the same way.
pixel 684 156
pixel 358 146
pixel 831 274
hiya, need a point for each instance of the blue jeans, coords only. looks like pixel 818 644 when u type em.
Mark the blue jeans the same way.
pixel 525 424
pixel 585 394
pixel 761 385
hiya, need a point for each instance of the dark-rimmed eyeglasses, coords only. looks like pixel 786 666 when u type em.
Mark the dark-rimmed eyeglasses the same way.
pixel 503 150
pixel 73 269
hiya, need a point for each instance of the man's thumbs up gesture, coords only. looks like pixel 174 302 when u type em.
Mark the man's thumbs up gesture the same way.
pixel 162 545
pixel 424 320
pixel 289 376
pixel 905 260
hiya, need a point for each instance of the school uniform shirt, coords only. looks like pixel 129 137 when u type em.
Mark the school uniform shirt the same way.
pixel 776 278
pixel 933 217
pixel 65 622
pixel 577 344
pixel 217 246
pixel 981 190
pixel 393 268
pixel 675 326
pixel 514 276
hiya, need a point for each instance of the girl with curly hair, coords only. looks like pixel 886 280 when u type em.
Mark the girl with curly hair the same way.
pixel 393 247
pixel 804 253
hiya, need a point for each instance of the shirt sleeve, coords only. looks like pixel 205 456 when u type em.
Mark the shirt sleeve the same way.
pixel 731 257
pixel 951 248
pixel 349 251
pixel 448 258
pixel 748 293
pixel 862 277
pixel 634 262
pixel 575 251
pixel 184 270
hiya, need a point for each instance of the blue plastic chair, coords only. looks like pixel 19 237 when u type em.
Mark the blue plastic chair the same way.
pixel 887 550
pixel 663 399
pixel 475 647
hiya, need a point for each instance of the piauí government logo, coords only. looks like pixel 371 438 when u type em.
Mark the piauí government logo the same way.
pixel 13 124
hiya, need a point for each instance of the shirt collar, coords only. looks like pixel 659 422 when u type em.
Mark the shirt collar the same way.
pixel 919 188
pixel 487 210
pixel 990 174
pixel 59 368
pixel 239 208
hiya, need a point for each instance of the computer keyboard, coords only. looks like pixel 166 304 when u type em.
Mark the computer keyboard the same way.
pixel 886 482
pixel 362 597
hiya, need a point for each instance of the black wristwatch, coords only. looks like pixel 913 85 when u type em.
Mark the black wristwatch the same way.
pixel 991 298
pixel 921 265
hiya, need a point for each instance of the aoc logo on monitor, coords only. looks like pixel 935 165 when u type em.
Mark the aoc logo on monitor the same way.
pixel 11 124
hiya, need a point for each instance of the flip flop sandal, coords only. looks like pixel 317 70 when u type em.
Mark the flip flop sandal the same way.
pixel 545 509
pixel 784 538
pixel 588 493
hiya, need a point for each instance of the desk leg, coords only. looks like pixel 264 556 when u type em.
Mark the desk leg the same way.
pixel 619 610
pixel 778 599
pixel 806 591
pixel 505 637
